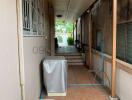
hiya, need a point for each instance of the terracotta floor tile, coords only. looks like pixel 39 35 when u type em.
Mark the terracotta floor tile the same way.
pixel 80 75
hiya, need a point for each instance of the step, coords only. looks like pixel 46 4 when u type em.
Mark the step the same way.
pixel 73 57
pixel 76 64
pixel 75 61
pixel 68 54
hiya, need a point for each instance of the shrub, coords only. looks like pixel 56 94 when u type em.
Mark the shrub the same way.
pixel 70 41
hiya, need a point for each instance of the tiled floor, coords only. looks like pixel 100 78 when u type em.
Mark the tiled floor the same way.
pixel 67 49
pixel 80 75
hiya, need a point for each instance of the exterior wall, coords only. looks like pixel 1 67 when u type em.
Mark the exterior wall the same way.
pixel 102 21
pixel 34 52
pixel 123 75
pixel 35 49
pixel 9 62
pixel 77 28
pixel 52 31
pixel 85 35
pixel 85 28
pixel 124 10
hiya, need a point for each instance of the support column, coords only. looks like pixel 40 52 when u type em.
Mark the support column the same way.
pixel 76 33
pixel 81 30
pixel 114 30
pixel 90 43
pixel 76 29
pixel 73 32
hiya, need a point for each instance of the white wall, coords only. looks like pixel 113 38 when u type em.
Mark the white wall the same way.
pixel 36 47
pixel 124 85
pixel 123 78
pixel 9 65
pixel 97 64
pixel 34 52
pixel 123 82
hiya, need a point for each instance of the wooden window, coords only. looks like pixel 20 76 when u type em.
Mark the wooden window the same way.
pixel 99 41
pixel 124 42
pixel 121 39
pixel 124 31
pixel 129 43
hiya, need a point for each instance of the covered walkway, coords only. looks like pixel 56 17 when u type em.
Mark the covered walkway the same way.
pixel 102 31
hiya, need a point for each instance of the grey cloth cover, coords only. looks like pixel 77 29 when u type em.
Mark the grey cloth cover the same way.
pixel 55 74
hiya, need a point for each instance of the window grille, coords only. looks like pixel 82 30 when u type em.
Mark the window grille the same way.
pixel 26 16
pixel 40 26
pixel 33 17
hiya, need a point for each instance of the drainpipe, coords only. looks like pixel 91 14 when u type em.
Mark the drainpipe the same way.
pixel 114 30
pixel 20 46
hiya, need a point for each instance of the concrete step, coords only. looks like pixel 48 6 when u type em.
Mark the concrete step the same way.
pixel 73 57
pixel 68 54
pixel 76 64
pixel 75 61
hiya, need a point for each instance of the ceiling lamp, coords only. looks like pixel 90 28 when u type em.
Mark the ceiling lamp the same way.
pixel 59 16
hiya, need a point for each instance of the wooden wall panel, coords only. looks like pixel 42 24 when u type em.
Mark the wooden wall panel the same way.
pixel 122 10
pixel 101 19
pixel 130 10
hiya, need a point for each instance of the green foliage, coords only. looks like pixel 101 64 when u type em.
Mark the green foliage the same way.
pixel 70 41
pixel 69 27
pixel 63 27
pixel 59 26
pixel 60 39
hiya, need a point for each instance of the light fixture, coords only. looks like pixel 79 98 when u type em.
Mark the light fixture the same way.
pixel 59 16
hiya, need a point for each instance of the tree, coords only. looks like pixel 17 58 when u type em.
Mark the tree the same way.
pixel 63 27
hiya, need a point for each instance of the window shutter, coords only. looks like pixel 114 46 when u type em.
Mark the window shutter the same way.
pixel 121 41
pixel 129 43
pixel 99 44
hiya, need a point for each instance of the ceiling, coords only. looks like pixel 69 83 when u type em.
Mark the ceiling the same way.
pixel 71 9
